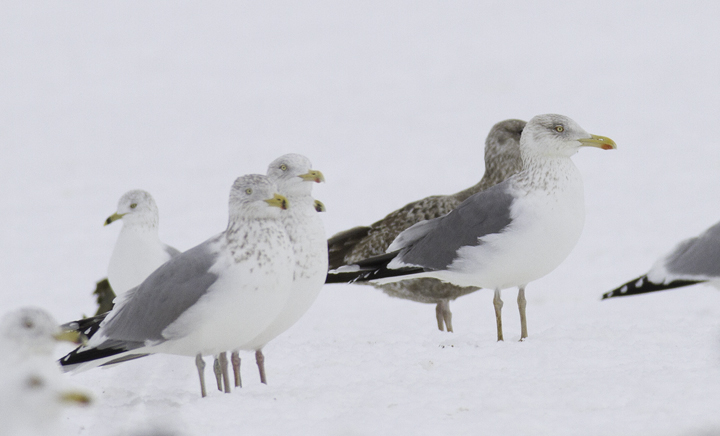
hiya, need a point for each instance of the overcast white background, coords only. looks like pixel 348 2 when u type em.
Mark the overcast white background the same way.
pixel 392 101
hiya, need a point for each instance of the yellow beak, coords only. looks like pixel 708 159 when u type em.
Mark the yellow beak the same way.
pixel 71 336
pixel 599 141
pixel 75 397
pixel 278 201
pixel 319 206
pixel 114 217
pixel 313 176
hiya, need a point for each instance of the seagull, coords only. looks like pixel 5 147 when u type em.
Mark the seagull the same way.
pixel 502 160
pixel 211 298
pixel 32 391
pixel 694 260
pixel 138 250
pixel 294 177
pixel 506 236
pixel 32 331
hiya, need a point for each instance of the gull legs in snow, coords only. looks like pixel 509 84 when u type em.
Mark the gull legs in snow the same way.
pixel 522 304
pixel 200 363
pixel 443 315
pixel 235 359
pixel 222 375
pixel 260 360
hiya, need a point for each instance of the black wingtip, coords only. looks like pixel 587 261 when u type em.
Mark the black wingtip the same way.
pixel 78 356
pixel 373 268
pixel 642 285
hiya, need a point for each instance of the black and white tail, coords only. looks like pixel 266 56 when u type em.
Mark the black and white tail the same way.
pixel 642 285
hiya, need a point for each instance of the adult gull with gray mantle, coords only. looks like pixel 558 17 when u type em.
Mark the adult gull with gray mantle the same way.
pixel 502 160
pixel 295 178
pixel 692 261
pixel 211 298
pixel 508 235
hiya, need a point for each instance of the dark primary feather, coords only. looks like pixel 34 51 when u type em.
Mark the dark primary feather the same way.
pixel 642 285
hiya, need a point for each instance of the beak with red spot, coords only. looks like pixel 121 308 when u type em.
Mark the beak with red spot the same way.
pixel 313 176
pixel 598 141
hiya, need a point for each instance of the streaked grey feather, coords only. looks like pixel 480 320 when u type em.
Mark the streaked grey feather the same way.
pixel 482 214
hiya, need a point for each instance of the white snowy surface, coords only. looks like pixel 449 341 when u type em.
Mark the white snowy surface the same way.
pixel 179 98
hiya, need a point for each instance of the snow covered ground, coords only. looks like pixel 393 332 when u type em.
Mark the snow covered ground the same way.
pixel 392 101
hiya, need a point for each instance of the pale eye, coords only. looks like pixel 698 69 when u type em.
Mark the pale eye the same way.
pixel 133 206
pixel 283 167
pixel 560 128
pixel 248 191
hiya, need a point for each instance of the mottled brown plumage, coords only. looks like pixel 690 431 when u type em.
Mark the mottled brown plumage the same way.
pixel 502 160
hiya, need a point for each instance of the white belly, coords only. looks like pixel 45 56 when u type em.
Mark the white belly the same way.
pixel 134 257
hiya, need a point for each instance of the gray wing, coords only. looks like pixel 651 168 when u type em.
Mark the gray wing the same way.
pixel 481 214
pixel 165 295
pixel 172 251
pixel 698 256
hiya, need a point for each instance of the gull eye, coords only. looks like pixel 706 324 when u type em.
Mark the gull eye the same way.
pixel 248 191
pixel 560 128
pixel 27 322
pixel 34 382
pixel 283 167
pixel 133 206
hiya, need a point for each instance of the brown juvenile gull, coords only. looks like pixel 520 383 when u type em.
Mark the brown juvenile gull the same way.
pixel 694 260
pixel 506 236
pixel 502 160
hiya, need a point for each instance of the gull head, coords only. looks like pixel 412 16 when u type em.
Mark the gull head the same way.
pixel 136 206
pixel 557 135
pixel 291 171
pixel 255 196
pixel 33 331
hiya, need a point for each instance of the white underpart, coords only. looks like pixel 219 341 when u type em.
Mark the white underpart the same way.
pixel 137 253
pixel 309 244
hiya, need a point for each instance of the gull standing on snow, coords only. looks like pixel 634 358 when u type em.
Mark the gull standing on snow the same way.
pixel 211 298
pixel 294 176
pixel 138 250
pixel 694 260
pixel 508 235
pixel 32 391
pixel 502 160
